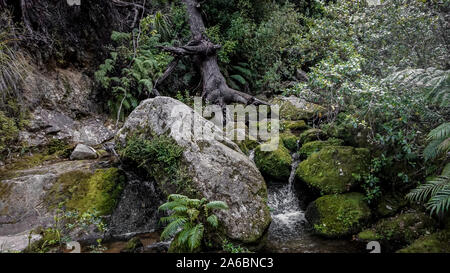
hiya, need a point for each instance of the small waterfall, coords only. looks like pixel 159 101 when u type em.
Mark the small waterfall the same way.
pixel 288 218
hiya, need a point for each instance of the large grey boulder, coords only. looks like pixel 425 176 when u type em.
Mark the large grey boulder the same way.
pixel 83 152
pixel 217 167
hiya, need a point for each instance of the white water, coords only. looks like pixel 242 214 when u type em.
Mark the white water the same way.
pixel 288 219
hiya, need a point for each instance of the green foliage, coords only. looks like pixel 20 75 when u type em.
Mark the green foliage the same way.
pixel 439 142
pixel 135 63
pixel 189 221
pixel 161 158
pixel 435 194
pixel 64 223
pixel 8 132
pixel 229 247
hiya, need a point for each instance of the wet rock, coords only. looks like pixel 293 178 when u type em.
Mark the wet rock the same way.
pixel 160 247
pixel 315 146
pixel 215 167
pixel 18 242
pixel 338 215
pixel 83 152
pixel 334 169
pixel 132 245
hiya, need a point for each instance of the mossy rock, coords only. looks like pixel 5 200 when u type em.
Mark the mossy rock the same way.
pixel 315 146
pixel 275 164
pixel 8 131
pixel 390 204
pixel 132 245
pixel 247 145
pixel 294 125
pixel 398 231
pixel 334 169
pixel 338 215
pixel 85 191
pixel 312 135
pixel 293 108
pixel 289 140
pixel 438 242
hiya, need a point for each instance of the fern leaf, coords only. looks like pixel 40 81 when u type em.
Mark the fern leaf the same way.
pixel 217 205
pixel 213 221
pixel 172 228
pixel 195 237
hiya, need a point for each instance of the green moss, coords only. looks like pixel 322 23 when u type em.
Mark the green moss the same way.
pixel 311 135
pixel 59 147
pixel 403 229
pixel 247 145
pixel 26 162
pixel 289 140
pixel 274 164
pixel 132 245
pixel 315 146
pixel 368 235
pixel 340 215
pixel 296 125
pixel 334 168
pixel 438 242
pixel 84 191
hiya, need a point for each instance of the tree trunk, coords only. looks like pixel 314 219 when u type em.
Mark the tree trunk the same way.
pixel 215 88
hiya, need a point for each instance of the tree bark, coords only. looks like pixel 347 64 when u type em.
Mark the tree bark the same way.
pixel 215 88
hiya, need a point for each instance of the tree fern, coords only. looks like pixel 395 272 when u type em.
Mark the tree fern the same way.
pixel 439 143
pixel 434 193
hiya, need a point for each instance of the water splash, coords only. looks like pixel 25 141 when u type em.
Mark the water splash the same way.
pixel 288 219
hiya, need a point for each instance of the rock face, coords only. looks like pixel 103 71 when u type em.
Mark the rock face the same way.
pixel 216 168
pixel 338 215
pixel 82 152
pixel 294 108
pixel 333 169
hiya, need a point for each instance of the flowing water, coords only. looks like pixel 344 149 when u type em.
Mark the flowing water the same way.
pixel 289 231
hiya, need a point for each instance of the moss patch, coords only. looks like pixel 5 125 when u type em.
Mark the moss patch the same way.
pixel 338 215
pixel 274 164
pixel 289 111
pixel 390 204
pixel 26 162
pixel 85 191
pixel 315 146
pixel 334 168
pixel 8 131
pixel 401 230
pixel 311 135
pixel 295 125
pixel 438 242
pixel 289 140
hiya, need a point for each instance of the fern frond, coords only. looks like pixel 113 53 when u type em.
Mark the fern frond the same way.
pixel 431 151
pixel 172 228
pixel 440 203
pixel 195 236
pixel 213 221
pixel 217 205
pixel 440 132
pixel 429 189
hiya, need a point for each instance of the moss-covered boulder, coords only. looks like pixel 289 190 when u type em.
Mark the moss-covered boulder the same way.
pixel 400 230
pixel 247 145
pixel 295 126
pixel 85 191
pixel 274 165
pixel 438 242
pixel 338 215
pixel 315 146
pixel 289 140
pixel 334 169
pixel 294 108
pixel 311 135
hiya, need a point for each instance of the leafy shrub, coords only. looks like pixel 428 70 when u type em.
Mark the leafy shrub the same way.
pixel 188 220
